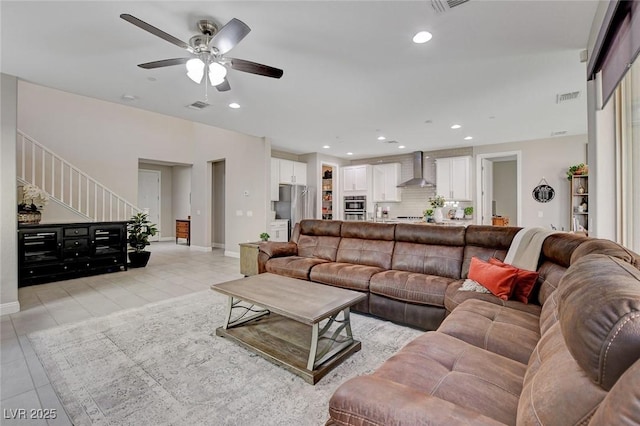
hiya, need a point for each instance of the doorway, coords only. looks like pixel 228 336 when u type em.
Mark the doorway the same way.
pixel 149 197
pixel 218 177
pixel 499 187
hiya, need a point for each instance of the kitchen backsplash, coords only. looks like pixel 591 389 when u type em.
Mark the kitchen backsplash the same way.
pixel 415 199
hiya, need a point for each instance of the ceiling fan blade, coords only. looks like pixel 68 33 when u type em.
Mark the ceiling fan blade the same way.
pixel 255 68
pixel 155 31
pixel 164 63
pixel 229 35
pixel 224 86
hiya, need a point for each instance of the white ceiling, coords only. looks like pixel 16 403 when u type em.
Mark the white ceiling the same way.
pixel 351 71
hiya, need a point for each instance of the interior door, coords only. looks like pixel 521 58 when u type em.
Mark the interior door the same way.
pixel 149 197
pixel 487 191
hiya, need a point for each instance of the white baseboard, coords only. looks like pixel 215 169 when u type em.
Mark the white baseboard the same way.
pixel 231 253
pixel 217 245
pixel 200 248
pixel 167 238
pixel 9 308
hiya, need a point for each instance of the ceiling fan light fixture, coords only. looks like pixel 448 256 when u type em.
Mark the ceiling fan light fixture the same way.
pixel 195 70
pixel 217 73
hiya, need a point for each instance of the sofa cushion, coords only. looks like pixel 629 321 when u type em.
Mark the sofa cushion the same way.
pixel 498 280
pixel 431 235
pixel 345 275
pixel 599 310
pixel 454 297
pixel 607 247
pixel 445 367
pixel 321 247
pixel 525 280
pixel 368 231
pixel 445 261
pixel 365 252
pixel 501 330
pixel 621 406
pixel 484 242
pixel 556 390
pixel 372 401
pixel 293 266
pixel 410 287
pixel 320 228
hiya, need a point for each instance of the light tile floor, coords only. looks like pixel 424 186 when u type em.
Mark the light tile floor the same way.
pixel 173 270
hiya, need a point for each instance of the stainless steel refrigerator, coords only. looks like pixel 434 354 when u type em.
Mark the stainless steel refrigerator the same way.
pixel 297 202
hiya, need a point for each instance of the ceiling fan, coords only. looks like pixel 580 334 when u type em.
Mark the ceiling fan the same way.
pixel 208 50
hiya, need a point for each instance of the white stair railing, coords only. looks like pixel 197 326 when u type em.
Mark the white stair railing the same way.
pixel 67 184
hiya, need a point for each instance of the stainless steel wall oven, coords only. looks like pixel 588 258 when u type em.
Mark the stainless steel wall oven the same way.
pixel 355 207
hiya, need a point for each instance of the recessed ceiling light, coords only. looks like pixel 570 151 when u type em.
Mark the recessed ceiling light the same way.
pixel 468 138
pixel 326 146
pixel 422 37
pixel 129 98
pixel 234 105
pixel 381 138
pixel 349 153
pixel 401 147
pixel 151 78
pixel 456 126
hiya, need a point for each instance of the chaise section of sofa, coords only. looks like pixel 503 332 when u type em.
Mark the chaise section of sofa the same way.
pixel 588 351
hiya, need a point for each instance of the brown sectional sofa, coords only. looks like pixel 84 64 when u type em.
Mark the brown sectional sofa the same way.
pixel 569 357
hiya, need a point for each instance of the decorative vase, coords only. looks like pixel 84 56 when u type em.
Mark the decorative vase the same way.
pixel 29 218
pixel 438 217
pixel 139 259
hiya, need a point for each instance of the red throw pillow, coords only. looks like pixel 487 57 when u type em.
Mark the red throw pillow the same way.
pixel 496 279
pixel 525 281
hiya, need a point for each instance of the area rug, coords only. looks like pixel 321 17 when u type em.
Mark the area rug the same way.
pixel 162 364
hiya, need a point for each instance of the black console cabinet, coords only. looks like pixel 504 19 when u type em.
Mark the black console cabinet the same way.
pixel 55 252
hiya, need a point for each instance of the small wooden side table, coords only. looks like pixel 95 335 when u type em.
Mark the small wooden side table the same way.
pixel 500 221
pixel 249 258
pixel 183 230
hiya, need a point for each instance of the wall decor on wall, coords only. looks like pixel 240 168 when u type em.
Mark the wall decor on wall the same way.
pixel 543 193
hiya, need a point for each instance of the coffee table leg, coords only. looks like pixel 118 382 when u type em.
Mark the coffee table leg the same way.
pixel 337 340
pixel 244 316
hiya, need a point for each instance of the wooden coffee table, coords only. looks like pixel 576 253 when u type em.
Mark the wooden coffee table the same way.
pixel 304 327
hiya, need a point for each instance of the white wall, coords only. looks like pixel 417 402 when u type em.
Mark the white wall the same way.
pixel 108 139
pixel 8 199
pixel 544 158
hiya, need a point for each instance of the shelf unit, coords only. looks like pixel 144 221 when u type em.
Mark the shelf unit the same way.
pixel 328 193
pixel 580 203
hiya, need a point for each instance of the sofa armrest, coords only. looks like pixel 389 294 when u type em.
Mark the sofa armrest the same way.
pixel 271 249
pixel 369 400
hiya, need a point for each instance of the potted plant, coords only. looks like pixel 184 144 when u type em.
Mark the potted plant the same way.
pixel 32 203
pixel 428 215
pixel 264 236
pixel 578 169
pixel 468 212
pixel 437 203
pixel 140 229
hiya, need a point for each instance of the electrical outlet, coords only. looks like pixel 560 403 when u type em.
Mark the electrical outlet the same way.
pixel 238 212
pixel 540 213
pixel 249 213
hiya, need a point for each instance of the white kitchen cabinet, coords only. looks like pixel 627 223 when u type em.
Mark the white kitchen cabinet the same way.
pixel 275 179
pixel 355 178
pixel 279 230
pixel 453 178
pixel 385 182
pixel 293 172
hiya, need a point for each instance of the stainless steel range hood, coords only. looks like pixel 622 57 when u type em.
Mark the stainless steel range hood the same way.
pixel 418 179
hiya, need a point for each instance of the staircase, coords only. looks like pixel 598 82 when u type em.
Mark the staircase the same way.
pixel 67 185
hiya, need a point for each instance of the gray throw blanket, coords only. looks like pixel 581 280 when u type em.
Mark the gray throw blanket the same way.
pixel 525 248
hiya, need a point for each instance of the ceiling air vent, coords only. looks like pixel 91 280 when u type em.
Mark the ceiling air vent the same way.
pixel 441 6
pixel 566 97
pixel 391 142
pixel 198 105
pixel 559 133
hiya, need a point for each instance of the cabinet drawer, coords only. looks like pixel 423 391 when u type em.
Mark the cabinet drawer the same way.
pixel 72 232
pixel 182 227
pixel 76 243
